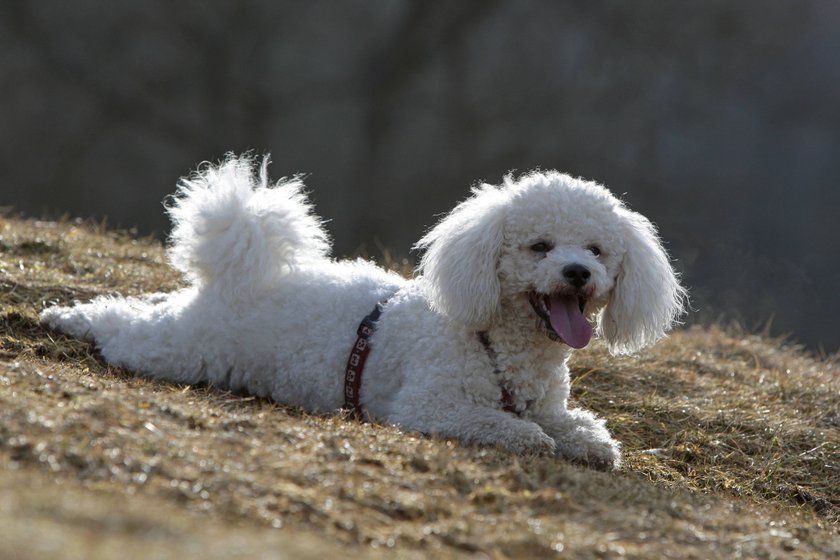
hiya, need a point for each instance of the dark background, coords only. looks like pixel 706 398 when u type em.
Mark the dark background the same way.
pixel 719 120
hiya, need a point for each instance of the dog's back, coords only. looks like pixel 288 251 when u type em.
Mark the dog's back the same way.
pixel 266 307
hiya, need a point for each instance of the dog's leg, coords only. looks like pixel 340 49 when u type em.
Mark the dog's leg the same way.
pixel 484 426
pixel 580 436
pixel 100 320
pixel 140 334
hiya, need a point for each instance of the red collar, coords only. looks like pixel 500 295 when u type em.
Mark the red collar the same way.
pixel 357 359
pixel 508 404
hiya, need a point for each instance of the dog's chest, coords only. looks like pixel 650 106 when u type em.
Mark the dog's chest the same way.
pixel 527 374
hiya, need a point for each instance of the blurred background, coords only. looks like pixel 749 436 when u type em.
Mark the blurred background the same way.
pixel 719 120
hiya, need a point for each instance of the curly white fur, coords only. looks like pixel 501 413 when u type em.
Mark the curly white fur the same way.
pixel 269 313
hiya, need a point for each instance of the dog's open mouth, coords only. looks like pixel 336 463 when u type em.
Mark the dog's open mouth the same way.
pixel 562 317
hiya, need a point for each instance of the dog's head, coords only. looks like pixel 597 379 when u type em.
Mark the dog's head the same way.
pixel 565 249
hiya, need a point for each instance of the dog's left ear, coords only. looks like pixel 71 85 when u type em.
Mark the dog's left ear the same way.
pixel 462 253
pixel 647 298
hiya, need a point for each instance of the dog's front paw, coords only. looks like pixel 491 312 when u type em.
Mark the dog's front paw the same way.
pixel 582 438
pixel 600 453
pixel 530 440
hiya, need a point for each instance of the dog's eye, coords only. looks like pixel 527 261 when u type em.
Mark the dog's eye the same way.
pixel 594 249
pixel 541 247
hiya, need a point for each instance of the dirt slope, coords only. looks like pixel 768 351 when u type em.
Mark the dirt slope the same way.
pixel 732 448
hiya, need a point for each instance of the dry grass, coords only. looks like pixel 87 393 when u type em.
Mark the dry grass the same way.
pixel 732 447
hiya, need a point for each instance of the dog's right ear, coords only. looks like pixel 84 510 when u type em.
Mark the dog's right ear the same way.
pixel 462 253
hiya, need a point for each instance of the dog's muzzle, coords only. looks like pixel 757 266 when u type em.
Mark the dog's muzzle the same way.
pixel 561 315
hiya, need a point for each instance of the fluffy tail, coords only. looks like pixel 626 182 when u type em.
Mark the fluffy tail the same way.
pixel 234 230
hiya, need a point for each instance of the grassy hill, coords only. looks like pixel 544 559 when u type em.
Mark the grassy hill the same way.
pixel 732 449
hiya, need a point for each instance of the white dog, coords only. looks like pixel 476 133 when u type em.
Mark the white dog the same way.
pixel 474 347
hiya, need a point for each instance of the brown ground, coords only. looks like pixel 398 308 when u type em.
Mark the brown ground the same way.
pixel 732 449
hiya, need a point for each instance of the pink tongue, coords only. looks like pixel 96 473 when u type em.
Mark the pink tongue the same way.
pixel 568 322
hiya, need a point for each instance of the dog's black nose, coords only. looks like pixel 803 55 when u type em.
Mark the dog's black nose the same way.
pixel 576 274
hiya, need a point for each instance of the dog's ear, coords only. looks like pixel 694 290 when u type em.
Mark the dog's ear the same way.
pixel 647 298
pixel 462 253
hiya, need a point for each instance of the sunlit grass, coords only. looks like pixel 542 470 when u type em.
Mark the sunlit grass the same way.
pixel 731 444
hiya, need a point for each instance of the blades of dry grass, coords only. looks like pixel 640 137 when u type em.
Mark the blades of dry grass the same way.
pixel 747 415
pixel 731 446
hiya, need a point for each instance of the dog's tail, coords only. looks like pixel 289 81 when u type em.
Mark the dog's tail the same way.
pixel 233 229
